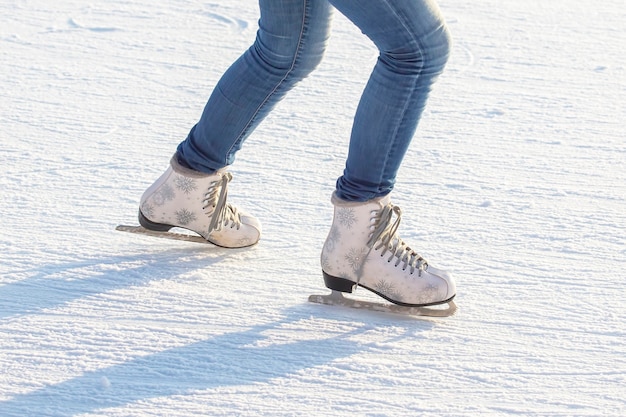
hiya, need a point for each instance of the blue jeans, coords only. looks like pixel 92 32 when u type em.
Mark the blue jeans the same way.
pixel 414 46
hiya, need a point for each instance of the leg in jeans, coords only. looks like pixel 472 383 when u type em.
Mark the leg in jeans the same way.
pixel 414 47
pixel 363 247
pixel 192 192
pixel 290 43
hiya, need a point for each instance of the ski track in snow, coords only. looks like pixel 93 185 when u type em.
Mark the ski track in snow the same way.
pixel 515 182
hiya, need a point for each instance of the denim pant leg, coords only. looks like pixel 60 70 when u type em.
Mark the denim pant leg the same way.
pixel 414 47
pixel 290 42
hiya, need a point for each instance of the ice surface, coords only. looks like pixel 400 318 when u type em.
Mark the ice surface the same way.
pixel 515 182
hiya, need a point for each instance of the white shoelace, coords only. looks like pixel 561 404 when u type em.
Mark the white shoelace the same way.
pixel 223 213
pixel 385 234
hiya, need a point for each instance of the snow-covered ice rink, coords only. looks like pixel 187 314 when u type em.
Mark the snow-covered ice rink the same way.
pixel 515 182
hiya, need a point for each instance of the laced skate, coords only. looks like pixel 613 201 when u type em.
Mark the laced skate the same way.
pixel 363 249
pixel 197 202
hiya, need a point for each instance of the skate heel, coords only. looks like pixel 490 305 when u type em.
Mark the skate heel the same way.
pixel 156 227
pixel 338 284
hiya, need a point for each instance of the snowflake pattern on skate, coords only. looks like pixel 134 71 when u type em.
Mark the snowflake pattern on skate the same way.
pixel 185 184
pixel 429 294
pixel 184 217
pixel 355 258
pixel 325 263
pixel 147 209
pixel 244 241
pixel 333 237
pixel 346 217
pixel 388 289
pixel 163 195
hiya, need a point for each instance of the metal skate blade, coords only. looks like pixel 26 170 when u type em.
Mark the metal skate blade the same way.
pixel 337 298
pixel 163 235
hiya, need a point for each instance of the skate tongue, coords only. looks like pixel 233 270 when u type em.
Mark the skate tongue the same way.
pixel 384 230
pixel 222 211
pixel 385 233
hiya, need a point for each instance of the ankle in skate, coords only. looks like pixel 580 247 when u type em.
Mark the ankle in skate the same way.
pixel 363 249
pixel 197 201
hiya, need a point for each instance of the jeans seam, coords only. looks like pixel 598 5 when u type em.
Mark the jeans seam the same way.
pixel 408 99
pixel 296 55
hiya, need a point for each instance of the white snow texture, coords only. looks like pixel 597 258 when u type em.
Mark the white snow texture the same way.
pixel 515 182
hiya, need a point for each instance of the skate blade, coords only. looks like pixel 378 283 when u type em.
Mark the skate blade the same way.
pixel 140 230
pixel 336 298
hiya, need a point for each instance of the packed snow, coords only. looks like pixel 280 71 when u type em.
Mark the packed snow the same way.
pixel 515 182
